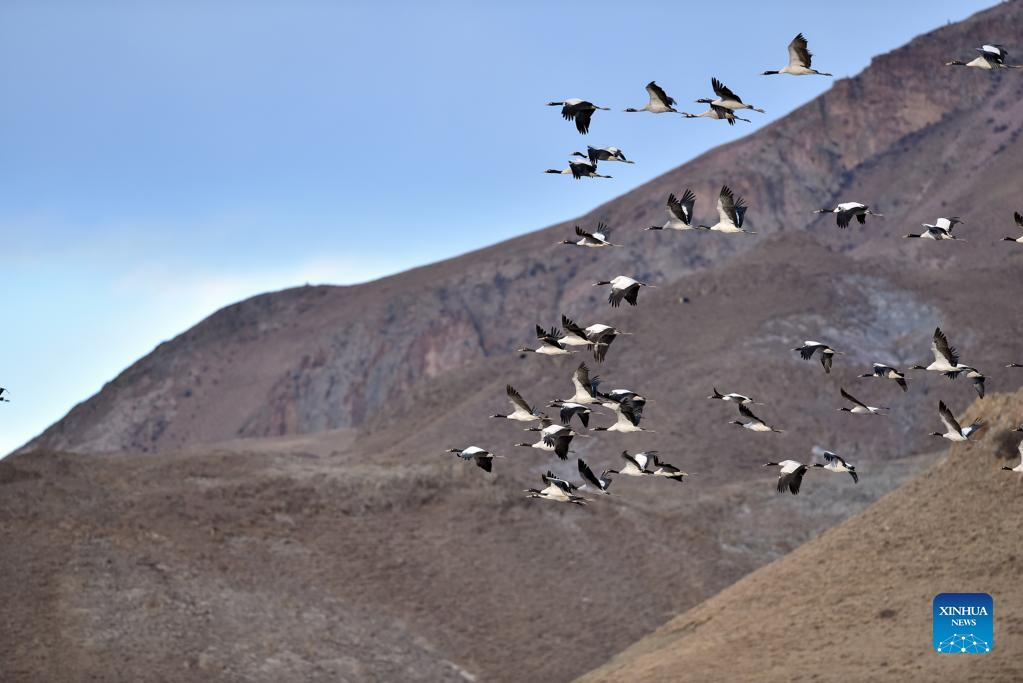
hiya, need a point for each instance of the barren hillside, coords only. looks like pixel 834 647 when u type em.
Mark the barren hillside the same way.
pixel 855 603
pixel 267 496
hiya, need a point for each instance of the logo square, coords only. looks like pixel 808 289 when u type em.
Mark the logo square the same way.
pixel 963 623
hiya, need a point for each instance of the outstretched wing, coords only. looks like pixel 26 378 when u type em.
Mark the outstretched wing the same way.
pixel 551 480
pixel 582 121
pixel 639 460
pixel 941 349
pixel 632 411
pixel 799 55
pixel 791 481
pixel 570 326
pixel 615 297
pixel 631 293
pixel 682 209
pixel 517 400
pixel 747 413
pixel 950 421
pixel 550 338
pixel 587 474
pixel 580 168
pixel 657 94
pixel 723 91
pixel 723 114
pixel 852 399
pixel 806 351
pixel 726 206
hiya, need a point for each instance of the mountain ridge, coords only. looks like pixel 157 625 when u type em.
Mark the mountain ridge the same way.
pixel 336 376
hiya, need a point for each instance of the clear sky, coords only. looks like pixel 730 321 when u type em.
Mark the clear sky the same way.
pixel 161 160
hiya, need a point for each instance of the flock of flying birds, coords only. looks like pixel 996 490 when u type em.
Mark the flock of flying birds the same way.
pixel 627 405
pixel 556 435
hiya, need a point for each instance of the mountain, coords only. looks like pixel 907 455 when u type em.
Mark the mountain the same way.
pixel 301 520
pixel 855 603
pixel 908 135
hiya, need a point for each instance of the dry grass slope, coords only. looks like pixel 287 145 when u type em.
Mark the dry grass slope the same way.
pixel 855 604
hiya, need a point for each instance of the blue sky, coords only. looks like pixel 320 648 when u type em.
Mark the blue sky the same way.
pixel 161 160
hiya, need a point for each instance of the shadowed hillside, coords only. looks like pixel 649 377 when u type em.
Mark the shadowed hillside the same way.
pixel 855 603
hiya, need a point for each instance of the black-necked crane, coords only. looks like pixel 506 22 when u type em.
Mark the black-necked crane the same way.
pixel 596 239
pixel 1018 218
pixel 726 98
pixel 578 167
pixel 859 407
pixel 553 437
pixel 731 213
pixel 991 57
pixel 3 395
pixel 523 411
pixel 560 482
pixel 941 229
pixel 595 154
pixel 883 371
pixel 846 211
pixel 585 388
pixel 811 347
pixel 659 102
pixel 550 343
pixel 635 465
pixel 618 395
pixel 568 410
pixel 833 462
pixel 596 338
pixel 953 431
pixel 753 423
pixel 717 113
pixel 734 398
pixel 622 287
pixel 629 412
pixel 790 475
pixel 680 213
pixel 946 357
pixel 580 111
pixel 599 484
pixel 557 490
pixel 666 470
pixel 1019 467
pixel 484 458
pixel 800 59
pixel 978 378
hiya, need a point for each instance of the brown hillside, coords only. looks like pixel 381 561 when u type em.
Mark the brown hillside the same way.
pixel 855 603
pixel 301 521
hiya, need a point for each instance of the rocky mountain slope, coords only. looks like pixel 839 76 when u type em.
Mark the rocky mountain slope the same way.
pixel 855 603
pixel 302 521
pixel 908 135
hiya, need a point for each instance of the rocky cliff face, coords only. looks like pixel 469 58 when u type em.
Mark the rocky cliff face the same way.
pixel 908 135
